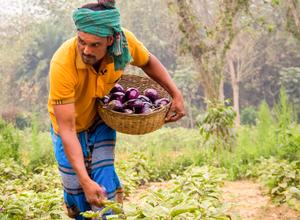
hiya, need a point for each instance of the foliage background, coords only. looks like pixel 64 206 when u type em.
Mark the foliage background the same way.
pixel 31 31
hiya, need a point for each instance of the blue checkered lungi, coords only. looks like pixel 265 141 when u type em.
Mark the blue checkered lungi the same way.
pixel 98 144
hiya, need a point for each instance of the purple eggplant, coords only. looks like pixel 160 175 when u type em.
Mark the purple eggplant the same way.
pixel 131 93
pixel 117 96
pixel 152 94
pixel 129 104
pixel 161 102
pixel 134 104
pixel 105 99
pixel 144 98
pixel 115 105
pixel 138 106
pixel 149 104
pixel 128 111
pixel 117 88
pixel 146 109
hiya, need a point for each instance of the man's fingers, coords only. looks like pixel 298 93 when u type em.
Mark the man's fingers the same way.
pixel 95 201
pixel 98 197
pixel 103 191
pixel 95 194
pixel 173 116
pixel 176 111
pixel 169 116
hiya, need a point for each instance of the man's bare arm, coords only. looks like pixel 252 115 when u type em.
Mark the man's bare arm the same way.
pixel 65 116
pixel 155 70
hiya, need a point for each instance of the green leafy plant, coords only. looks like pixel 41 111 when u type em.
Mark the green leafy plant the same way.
pixel 287 132
pixel 115 207
pixel 248 116
pixel 9 141
pixel 194 195
pixel 27 195
pixel 281 178
pixel 217 126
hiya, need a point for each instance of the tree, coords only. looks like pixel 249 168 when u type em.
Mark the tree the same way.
pixel 272 48
pixel 241 64
pixel 155 28
pixel 276 50
pixel 291 9
pixel 42 30
pixel 292 16
pixel 290 81
pixel 209 42
pixel 186 78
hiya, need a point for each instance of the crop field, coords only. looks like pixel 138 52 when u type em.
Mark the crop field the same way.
pixel 165 176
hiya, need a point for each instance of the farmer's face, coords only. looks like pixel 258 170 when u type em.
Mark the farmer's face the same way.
pixel 92 48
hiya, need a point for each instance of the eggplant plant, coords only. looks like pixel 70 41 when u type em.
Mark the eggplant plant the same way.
pixel 194 195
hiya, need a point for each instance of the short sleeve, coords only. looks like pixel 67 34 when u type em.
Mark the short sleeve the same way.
pixel 138 51
pixel 62 85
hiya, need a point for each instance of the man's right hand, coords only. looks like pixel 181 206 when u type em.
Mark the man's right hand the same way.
pixel 95 194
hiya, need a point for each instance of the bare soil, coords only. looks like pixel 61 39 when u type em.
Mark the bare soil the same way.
pixel 248 202
pixel 244 198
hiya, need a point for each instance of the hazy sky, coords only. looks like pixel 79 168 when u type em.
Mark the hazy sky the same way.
pixel 10 7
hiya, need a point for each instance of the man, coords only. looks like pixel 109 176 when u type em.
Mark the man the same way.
pixel 84 68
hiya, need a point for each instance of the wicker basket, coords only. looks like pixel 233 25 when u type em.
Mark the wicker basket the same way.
pixel 136 123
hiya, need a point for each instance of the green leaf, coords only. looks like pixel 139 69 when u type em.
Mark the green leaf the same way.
pixel 179 210
pixel 295 192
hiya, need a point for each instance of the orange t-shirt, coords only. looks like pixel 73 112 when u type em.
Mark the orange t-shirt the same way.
pixel 73 81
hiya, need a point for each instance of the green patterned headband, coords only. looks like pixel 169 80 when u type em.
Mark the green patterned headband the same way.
pixel 105 23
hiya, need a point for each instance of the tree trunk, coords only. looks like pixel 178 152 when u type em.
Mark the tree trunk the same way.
pixel 190 113
pixel 198 48
pixel 210 84
pixel 221 91
pixel 293 7
pixel 235 90
pixel 293 20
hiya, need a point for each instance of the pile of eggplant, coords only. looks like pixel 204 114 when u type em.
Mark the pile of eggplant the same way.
pixel 132 101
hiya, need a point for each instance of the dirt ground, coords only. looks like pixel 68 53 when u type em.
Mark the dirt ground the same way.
pixel 245 200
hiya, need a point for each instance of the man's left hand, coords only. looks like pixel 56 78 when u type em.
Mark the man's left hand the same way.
pixel 177 110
